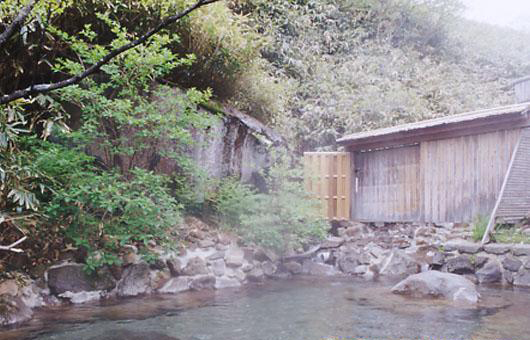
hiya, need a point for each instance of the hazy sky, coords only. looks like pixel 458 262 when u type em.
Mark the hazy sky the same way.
pixel 513 13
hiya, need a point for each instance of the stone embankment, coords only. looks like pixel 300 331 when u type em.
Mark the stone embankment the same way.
pixel 212 259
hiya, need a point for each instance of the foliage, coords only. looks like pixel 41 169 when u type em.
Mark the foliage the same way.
pixel 283 218
pixel 361 64
pixel 507 233
pixel 479 227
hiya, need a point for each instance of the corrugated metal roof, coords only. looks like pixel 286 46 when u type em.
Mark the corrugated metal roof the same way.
pixel 454 119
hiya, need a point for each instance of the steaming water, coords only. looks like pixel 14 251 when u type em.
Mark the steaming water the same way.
pixel 291 310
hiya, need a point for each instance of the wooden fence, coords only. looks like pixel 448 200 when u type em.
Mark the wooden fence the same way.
pixel 328 179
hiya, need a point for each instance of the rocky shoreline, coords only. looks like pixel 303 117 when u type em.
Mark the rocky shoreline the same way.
pixel 215 260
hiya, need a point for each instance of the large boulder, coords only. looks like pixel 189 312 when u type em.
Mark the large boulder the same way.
pixel 73 278
pixel 176 285
pixel 522 279
pixel 398 263
pixel 136 280
pixel 490 273
pixel 234 257
pixel 17 300
pixel 435 284
pixel 348 262
pixel 201 282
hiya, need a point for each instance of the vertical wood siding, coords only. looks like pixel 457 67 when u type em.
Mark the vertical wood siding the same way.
pixel 522 91
pixel 388 185
pixel 462 176
pixel 515 202
pixel 327 177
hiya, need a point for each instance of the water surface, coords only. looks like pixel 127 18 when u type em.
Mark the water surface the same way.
pixel 296 309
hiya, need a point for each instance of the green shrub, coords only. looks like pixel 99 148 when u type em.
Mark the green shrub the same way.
pixel 479 227
pixel 281 219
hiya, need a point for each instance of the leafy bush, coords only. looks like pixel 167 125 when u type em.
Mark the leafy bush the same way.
pixel 283 218
pixel 479 227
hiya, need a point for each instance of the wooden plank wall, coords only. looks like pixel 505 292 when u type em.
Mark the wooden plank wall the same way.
pixel 462 176
pixel 515 203
pixel 522 91
pixel 327 177
pixel 388 185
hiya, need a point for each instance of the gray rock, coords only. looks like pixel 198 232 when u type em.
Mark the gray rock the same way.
pixel 176 285
pixel 175 266
pixel 438 259
pixel 218 267
pixel 511 263
pixel 256 275
pixel 216 256
pixel 331 242
pixel 521 249
pixel 490 273
pixel 318 269
pixel 17 301
pixel 226 282
pixel 195 266
pixel 480 261
pixel 236 273
pixel 158 278
pixel 71 277
pixel 348 262
pixel 398 263
pixel 522 279
pixel 268 268
pixel 135 280
pixel 497 248
pixel 201 282
pixel 509 276
pixel 463 246
pixel 234 257
pixel 435 284
pixel 293 267
pixel 206 243
pixel 460 265
pixel 265 255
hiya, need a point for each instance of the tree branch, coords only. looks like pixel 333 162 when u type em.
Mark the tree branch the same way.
pixel 12 246
pixel 19 20
pixel 42 88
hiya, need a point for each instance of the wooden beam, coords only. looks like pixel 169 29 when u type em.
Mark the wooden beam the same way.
pixel 491 222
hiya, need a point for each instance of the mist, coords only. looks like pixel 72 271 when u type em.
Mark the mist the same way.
pixel 508 13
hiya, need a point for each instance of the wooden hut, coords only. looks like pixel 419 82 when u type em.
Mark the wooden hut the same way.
pixel 450 169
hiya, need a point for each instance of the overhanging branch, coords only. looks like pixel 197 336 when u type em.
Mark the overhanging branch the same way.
pixel 42 88
pixel 17 23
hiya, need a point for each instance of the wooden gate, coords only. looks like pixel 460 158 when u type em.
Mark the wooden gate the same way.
pixel 328 178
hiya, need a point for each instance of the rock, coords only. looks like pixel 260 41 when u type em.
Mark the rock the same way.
pixel 175 266
pixel 17 301
pixel 226 282
pixel 255 275
pixel 71 277
pixel 218 267
pixel 224 239
pixel 497 248
pixel 401 243
pixel 131 255
pixel 236 273
pixel 159 278
pixel 81 297
pixel 509 276
pixel 201 282
pixel 176 285
pixel 234 257
pixel 463 246
pixel 522 279
pixel 445 225
pixel 348 263
pixel 490 273
pixel 353 231
pixel 521 249
pixel 196 266
pixel 438 259
pixel 331 242
pixel 247 266
pixel 207 243
pixel 135 280
pixel 265 255
pixel 293 267
pixel 435 284
pixel 318 269
pixel 398 263
pixel 480 261
pixel 120 334
pixel 360 270
pixel 268 268
pixel 216 256
pixel 511 263
pixel 460 265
